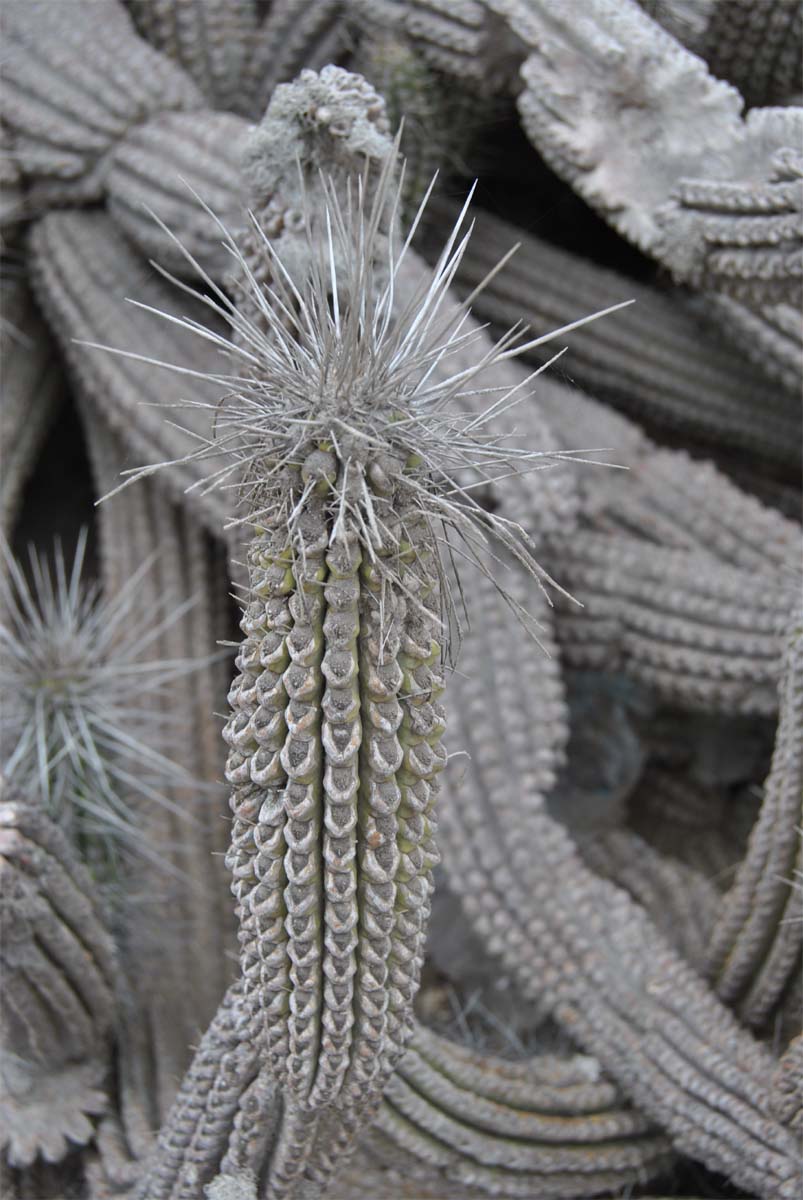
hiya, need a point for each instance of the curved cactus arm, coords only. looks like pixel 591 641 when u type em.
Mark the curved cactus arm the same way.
pixel 503 1166
pixel 741 236
pixel 60 988
pixel 653 359
pixel 548 1125
pixel 31 393
pixel 188 572
pixel 152 148
pixel 771 336
pixel 711 640
pixel 571 104
pixel 295 35
pixel 466 39
pixel 665 496
pixel 211 39
pixel 593 956
pixel 787 1086
pixel 674 500
pixel 756 47
pixel 194 1138
pixel 65 109
pixel 756 944
pixel 168 167
pixel 83 269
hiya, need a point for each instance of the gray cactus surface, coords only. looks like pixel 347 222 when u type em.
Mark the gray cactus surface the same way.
pixel 401 725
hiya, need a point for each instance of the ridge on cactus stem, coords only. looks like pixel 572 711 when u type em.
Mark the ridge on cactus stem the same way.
pixel 77 732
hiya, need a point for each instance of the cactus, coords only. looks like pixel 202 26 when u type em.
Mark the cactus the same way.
pixel 604 979
pixel 294 35
pixel 69 660
pixel 770 336
pixel 65 111
pixel 341 441
pixel 756 946
pixel 597 942
pixel 474 42
pixel 199 153
pixel 32 391
pixel 211 39
pixel 714 642
pixel 757 47
pixel 60 986
pixel 655 360
pixel 76 255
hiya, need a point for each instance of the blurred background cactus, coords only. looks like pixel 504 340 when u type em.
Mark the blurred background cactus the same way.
pixel 597 992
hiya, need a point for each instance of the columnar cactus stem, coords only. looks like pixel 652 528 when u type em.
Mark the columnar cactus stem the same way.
pixel 595 959
pixel 756 945
pixel 82 269
pixel 60 987
pixel 336 729
pixel 342 427
pixel 657 359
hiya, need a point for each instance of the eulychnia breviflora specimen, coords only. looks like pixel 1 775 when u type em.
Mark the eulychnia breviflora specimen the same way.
pixel 342 449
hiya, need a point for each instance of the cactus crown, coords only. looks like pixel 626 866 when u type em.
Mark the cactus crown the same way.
pixel 342 391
